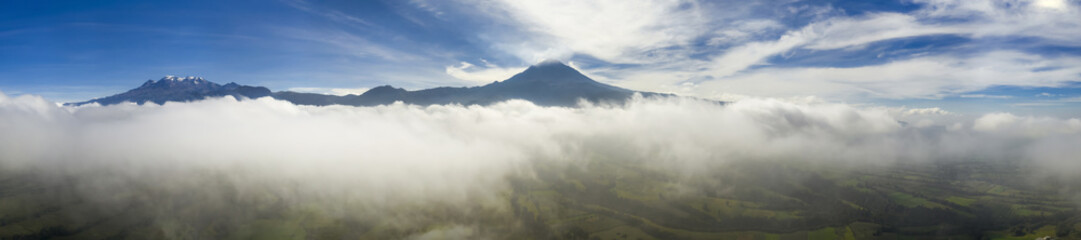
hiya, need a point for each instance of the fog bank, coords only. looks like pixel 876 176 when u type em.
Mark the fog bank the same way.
pixel 400 155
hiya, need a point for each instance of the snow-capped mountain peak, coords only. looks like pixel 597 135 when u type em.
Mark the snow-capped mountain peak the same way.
pixel 182 79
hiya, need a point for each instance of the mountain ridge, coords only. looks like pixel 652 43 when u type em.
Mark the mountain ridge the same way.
pixel 549 83
pixel 176 89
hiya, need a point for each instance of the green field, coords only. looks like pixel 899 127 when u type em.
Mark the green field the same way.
pixel 599 200
pixel 761 201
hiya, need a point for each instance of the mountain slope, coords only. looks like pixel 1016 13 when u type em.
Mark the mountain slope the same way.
pixel 549 83
pixel 177 89
pixel 552 83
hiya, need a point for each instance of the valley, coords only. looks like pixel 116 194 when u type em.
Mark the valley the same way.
pixel 600 199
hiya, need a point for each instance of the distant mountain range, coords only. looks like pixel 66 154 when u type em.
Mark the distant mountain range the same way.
pixel 550 83
pixel 177 89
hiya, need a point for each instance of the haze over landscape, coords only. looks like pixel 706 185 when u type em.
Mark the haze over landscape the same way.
pixel 490 119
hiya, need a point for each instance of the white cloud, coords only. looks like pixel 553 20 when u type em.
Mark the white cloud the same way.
pixel 929 77
pixel 616 31
pixel 833 33
pixel 482 74
pixel 742 57
pixel 986 96
pixel 1052 4
pixel 330 91
pixel 1051 102
pixel 993 121
pixel 1054 20
pixel 1028 127
pixel 742 31
pixel 925 111
pixel 846 32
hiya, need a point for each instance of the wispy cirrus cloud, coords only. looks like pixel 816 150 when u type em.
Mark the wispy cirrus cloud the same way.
pixel 331 14
pixel 709 49
pixel 616 31
pixel 924 77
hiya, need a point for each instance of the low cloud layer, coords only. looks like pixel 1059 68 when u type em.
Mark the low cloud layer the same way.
pixel 445 150
pixel 399 154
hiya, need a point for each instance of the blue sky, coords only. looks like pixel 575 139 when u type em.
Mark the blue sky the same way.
pixel 1020 56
